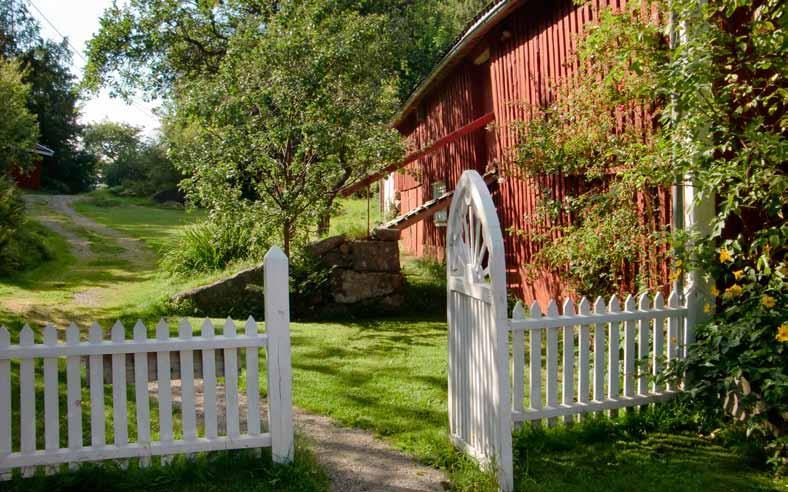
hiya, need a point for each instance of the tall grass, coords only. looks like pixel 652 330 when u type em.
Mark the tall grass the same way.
pixel 208 247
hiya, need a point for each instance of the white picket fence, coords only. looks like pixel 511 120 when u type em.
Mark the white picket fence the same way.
pixel 592 377
pixel 136 357
pixel 575 355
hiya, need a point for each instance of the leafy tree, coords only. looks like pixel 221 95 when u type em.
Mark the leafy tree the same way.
pixel 20 247
pixel 295 112
pixel 126 159
pixel 149 44
pixel 116 146
pixel 274 105
pixel 54 96
pixel 18 128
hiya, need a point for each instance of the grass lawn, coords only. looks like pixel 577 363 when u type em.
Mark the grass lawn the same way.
pixel 351 216
pixel 157 227
pixel 115 285
pixel 233 471
pixel 388 376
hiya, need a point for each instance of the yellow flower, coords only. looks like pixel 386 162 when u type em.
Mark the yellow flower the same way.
pixel 725 255
pixel 714 291
pixel 768 301
pixel 782 333
pixel 675 275
pixel 679 263
pixel 738 274
pixel 734 290
pixel 707 308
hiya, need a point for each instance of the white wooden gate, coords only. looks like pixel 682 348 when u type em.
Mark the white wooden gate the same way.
pixel 479 409
pixel 585 372
pixel 132 364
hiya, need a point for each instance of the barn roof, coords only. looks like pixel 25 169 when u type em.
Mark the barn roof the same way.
pixel 43 150
pixel 488 18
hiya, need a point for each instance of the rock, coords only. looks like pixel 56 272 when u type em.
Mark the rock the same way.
pixel 375 256
pixel 339 259
pixel 351 287
pixel 319 248
pixel 170 195
pixel 238 294
pixel 382 234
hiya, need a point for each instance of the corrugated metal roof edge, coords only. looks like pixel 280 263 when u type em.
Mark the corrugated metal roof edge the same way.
pixel 481 25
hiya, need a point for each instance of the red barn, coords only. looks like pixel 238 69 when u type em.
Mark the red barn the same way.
pixel 512 53
pixel 31 179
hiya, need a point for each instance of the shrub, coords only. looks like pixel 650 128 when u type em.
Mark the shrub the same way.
pixel 22 245
pixel 215 244
pixel 206 247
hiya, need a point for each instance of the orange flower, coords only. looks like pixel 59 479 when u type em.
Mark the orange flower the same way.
pixel 782 333
pixel 734 290
pixel 725 256
pixel 768 302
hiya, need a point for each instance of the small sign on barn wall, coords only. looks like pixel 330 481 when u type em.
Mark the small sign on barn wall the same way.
pixel 441 217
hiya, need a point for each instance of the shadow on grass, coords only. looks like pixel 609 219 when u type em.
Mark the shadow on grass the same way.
pixel 220 471
pixel 640 451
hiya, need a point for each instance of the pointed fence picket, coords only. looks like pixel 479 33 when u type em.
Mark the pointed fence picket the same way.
pixel 131 356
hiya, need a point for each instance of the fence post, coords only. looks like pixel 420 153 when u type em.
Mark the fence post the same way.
pixel 277 325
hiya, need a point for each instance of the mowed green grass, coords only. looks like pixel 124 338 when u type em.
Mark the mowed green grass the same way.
pixel 157 227
pixel 351 216
pixel 389 376
pixel 225 471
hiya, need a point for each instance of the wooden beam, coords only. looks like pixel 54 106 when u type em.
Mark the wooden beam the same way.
pixel 430 207
pixel 438 144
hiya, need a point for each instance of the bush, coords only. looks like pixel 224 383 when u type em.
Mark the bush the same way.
pixel 212 246
pixel 22 245
pixel 739 366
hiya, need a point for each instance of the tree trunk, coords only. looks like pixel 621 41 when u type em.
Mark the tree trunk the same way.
pixel 286 238
pixel 324 223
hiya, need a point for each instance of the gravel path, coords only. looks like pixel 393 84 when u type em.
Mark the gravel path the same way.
pixel 60 217
pixel 80 246
pixel 354 460
pixel 134 250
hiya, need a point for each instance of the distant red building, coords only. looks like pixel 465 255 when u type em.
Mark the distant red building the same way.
pixel 514 52
pixel 31 178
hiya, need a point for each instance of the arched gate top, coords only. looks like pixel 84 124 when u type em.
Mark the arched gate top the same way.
pixel 475 253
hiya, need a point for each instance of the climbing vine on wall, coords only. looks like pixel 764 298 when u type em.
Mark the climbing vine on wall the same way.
pixel 602 132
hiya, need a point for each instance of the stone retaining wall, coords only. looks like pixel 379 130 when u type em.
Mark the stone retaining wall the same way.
pixel 364 273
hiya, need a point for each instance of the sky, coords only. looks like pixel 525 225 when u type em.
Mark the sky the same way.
pixel 78 21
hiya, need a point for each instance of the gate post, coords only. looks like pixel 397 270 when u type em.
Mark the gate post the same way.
pixel 277 326
pixel 480 415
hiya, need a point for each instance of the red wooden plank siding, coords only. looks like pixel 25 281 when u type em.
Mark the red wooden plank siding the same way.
pixel 532 51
